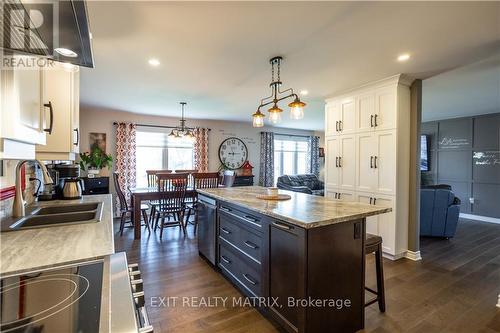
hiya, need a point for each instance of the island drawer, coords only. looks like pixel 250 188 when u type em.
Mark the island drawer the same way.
pixel 244 216
pixel 243 239
pixel 239 271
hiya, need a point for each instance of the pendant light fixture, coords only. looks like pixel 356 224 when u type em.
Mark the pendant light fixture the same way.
pixel 182 131
pixel 296 107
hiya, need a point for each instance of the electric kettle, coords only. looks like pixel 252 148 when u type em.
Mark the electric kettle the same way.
pixel 72 188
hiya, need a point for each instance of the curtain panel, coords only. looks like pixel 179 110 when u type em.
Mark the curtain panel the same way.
pixel 125 163
pixel 266 174
pixel 201 149
pixel 313 155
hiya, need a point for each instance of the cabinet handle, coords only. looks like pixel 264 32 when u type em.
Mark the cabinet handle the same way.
pixel 77 137
pixel 337 126
pixel 251 245
pixel 371 162
pixel 249 279
pixel 371 200
pixel 340 161
pixel 371 121
pixel 336 161
pixel 376 121
pixel 338 195
pixel 374 201
pixel 341 126
pixel 282 226
pixel 374 162
pixel 51 122
pixel 224 230
pixel 251 218
pixel 227 261
pixel 224 209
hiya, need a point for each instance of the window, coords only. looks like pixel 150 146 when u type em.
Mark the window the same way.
pixel 290 155
pixel 156 150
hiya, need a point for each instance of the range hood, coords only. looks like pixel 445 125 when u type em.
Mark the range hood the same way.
pixel 45 27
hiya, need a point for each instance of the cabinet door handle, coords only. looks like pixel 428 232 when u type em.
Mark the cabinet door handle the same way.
pixel 336 161
pixel 376 121
pixel 246 276
pixel 335 195
pixel 251 245
pixel 340 161
pixel 224 209
pixel 371 121
pixel 224 230
pixel 51 122
pixel 374 162
pixel 374 201
pixel 371 200
pixel 282 226
pixel 77 136
pixel 227 261
pixel 337 126
pixel 371 162
pixel 251 218
pixel 341 125
pixel 338 195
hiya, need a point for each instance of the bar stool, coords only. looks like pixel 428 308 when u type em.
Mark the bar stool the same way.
pixel 373 244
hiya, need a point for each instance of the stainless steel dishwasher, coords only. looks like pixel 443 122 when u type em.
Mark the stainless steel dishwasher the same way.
pixel 207 221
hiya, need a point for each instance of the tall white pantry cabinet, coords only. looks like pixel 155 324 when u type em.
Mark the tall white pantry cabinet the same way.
pixel 367 139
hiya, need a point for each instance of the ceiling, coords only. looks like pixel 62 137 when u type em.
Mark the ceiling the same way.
pixel 214 55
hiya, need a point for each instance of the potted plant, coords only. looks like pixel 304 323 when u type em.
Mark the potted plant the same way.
pixel 94 161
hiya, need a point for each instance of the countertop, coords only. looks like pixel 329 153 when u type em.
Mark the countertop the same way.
pixel 40 248
pixel 304 210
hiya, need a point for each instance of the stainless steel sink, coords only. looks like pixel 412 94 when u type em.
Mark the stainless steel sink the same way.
pixel 58 215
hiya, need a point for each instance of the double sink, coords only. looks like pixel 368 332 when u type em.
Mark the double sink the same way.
pixel 60 214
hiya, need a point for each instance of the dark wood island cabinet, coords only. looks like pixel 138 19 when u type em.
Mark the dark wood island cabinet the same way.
pixel 306 270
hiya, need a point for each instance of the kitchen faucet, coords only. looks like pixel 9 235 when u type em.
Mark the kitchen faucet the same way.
pixel 18 209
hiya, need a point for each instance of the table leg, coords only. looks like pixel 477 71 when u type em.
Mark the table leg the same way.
pixel 136 203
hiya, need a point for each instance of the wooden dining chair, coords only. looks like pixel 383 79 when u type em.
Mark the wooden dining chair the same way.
pixel 201 180
pixel 173 186
pixel 124 209
pixel 153 182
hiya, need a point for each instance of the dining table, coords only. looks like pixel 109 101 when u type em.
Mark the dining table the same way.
pixel 140 194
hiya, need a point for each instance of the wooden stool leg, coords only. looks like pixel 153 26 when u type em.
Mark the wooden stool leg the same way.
pixel 122 223
pixel 146 221
pixel 380 279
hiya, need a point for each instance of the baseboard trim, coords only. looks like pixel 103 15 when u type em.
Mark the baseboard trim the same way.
pixel 413 255
pixel 480 218
pixel 393 256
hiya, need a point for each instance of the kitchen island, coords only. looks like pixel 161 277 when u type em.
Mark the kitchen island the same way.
pixel 301 261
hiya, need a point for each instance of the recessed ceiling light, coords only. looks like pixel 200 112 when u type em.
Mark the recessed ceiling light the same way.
pixel 66 52
pixel 154 62
pixel 403 57
pixel 304 92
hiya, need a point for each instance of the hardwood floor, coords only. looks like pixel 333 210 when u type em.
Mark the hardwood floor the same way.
pixel 453 289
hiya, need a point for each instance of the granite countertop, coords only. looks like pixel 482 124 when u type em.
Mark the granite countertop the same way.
pixel 303 210
pixel 40 248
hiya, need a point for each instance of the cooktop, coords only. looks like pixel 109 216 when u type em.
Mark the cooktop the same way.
pixel 64 300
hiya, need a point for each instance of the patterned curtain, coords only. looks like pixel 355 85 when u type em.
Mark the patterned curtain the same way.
pixel 313 155
pixel 266 174
pixel 125 158
pixel 201 149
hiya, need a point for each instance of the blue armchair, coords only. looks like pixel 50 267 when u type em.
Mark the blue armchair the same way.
pixel 306 183
pixel 439 211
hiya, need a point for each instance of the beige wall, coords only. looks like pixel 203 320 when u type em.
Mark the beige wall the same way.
pixel 101 121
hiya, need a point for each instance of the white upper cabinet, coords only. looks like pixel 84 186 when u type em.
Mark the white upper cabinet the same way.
pixel 332 162
pixel 341 117
pixel 365 112
pixel 366 173
pixel 62 86
pixel 385 116
pixel 385 162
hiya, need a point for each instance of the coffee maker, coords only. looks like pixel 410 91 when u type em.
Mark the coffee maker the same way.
pixel 70 185
pixel 49 190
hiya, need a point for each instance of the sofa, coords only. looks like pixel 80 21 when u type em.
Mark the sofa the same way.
pixel 439 211
pixel 306 183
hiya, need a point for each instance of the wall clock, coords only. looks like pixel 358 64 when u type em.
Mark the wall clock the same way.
pixel 233 153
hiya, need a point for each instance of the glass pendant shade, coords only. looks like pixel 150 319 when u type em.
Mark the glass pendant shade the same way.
pixel 275 117
pixel 172 134
pixel 258 119
pixel 297 109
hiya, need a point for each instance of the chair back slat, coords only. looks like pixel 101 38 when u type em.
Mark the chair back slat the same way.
pixel 119 192
pixel 206 180
pixel 191 172
pixel 152 179
pixel 176 185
